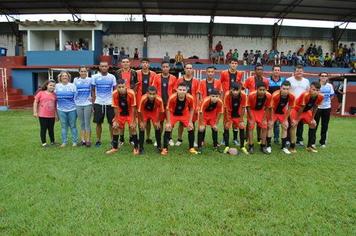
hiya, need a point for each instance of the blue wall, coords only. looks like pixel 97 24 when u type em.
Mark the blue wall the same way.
pixel 24 79
pixel 98 44
pixel 52 58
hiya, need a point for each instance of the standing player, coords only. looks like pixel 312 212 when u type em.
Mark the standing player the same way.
pixel 299 85
pixel 124 104
pixel 235 102
pixel 227 77
pixel 282 103
pixel 304 111
pixel 209 84
pixel 192 88
pixel 275 82
pixel 258 111
pixel 103 84
pixel 210 113
pixel 144 79
pixel 180 108
pixel 165 84
pixel 150 109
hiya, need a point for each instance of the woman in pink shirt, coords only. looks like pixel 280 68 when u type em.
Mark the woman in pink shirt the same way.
pixel 44 108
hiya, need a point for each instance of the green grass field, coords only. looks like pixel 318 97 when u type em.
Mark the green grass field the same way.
pixel 71 191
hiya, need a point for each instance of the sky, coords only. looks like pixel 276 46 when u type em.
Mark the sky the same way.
pixel 182 18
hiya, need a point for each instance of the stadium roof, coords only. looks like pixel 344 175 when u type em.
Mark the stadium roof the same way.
pixel 331 10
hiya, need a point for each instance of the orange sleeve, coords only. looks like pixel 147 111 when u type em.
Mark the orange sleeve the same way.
pixel 143 100
pixel 115 100
pixel 200 88
pixel 304 98
pixel 266 81
pixel 247 83
pixel 319 99
pixel 291 102
pixel 244 99
pixel 160 104
pixel 204 104
pixel 132 97
pixel 239 77
pixel 220 107
pixel 268 100
pixel 219 86
pixel 226 101
pixel 250 99
pixel 171 103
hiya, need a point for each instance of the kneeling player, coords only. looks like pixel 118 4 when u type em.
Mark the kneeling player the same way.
pixel 150 108
pixel 210 113
pixel 180 108
pixel 258 110
pixel 282 103
pixel 235 104
pixel 305 109
pixel 124 103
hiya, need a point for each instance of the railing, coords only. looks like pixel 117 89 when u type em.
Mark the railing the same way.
pixel 4 95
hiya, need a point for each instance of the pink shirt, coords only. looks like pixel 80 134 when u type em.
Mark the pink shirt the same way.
pixel 46 104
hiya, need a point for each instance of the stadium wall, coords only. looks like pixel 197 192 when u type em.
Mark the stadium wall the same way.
pixel 8 41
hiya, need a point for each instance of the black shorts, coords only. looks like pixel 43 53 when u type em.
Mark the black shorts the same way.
pixel 100 111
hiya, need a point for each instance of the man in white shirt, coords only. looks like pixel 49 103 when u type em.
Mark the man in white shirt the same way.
pixel 103 84
pixel 299 85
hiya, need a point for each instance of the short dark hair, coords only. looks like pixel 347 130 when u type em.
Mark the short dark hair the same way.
pixel 233 59
pixel 299 66
pixel 274 66
pixel 188 64
pixel 182 84
pixel 145 59
pixel 258 65
pixel 323 72
pixel 316 84
pixel 260 84
pixel 152 89
pixel 165 62
pixel 121 81
pixel 214 92
pixel 235 86
pixel 286 83
pixel 211 67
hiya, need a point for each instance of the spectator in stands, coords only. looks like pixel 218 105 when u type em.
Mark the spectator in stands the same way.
pixel 319 51
pixel 116 54
pixel 245 57
pixel 295 59
pixel 228 56
pixel 327 60
pixel 258 57
pixel 270 57
pixel 106 50
pixel 166 57
pixel 250 58
pixel 179 64
pixel 235 55
pixel 321 60
pixel 312 59
pixel 264 60
pixel 122 54
pixel 301 50
pixel 111 50
pixel 353 70
pixel 219 49
pixel 68 46
pixel 289 58
pixel 309 50
pixel 136 54
pixel 277 58
pixel 283 59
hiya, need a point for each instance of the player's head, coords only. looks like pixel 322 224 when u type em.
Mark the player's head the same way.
pixel 210 71
pixel 188 69
pixel 125 63
pixel 259 70
pixel 214 95
pixel 314 88
pixel 151 92
pixel 298 71
pixel 285 87
pixel 233 64
pixel 104 67
pixel 121 86
pixel 145 63
pixel 181 90
pixel 235 88
pixel 276 70
pixel 49 85
pixel 83 71
pixel 323 77
pixel 261 88
pixel 165 67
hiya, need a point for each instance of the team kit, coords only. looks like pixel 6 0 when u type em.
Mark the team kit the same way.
pixel 143 101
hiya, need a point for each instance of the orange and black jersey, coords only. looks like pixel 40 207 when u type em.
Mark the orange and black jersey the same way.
pixel 180 108
pixel 124 102
pixel 146 105
pixel 234 105
pixel 308 102
pixel 259 103
pixel 280 104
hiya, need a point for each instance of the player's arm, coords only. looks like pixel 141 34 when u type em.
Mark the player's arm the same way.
pixel 220 114
pixel 93 94
pixel 35 107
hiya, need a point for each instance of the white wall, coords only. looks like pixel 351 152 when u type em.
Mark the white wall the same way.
pixel 285 44
pixel 128 41
pixel 8 41
pixel 188 45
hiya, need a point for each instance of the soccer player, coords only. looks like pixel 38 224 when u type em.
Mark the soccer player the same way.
pixel 251 82
pixel 282 103
pixel 209 84
pixel 127 74
pixel 150 109
pixel 124 104
pixel 275 83
pixel 180 108
pixel 210 113
pixel 144 79
pixel 235 102
pixel 227 77
pixel 192 88
pixel 103 84
pixel 304 111
pixel 299 85
pixel 258 111
pixel 165 84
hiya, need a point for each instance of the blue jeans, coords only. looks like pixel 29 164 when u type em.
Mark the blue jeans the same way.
pixel 68 119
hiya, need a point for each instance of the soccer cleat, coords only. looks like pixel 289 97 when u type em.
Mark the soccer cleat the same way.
pixel 195 145
pixel 292 150
pixel 311 149
pixel 286 151
pixel 265 151
pixel 74 145
pixel 164 152
pixel 222 143
pixel 269 150
pixel 136 151
pixel 149 141
pixel 171 143
pixel 63 145
pixel 112 151
pixel 236 142
pixel 98 144
pixel 244 150
pixel 155 144
pixel 193 151
pixel 44 145
pixel 300 143
pixel 313 146
pixel 82 143
pixel 323 146
pixel 226 150
pixel 251 150
pixel 178 143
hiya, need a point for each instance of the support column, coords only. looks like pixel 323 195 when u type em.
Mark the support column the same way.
pixel 145 36
pixel 210 34
pixel 275 33
pixel 335 37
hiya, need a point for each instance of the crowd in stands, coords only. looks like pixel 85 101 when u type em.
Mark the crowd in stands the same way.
pixel 118 54
pixel 79 45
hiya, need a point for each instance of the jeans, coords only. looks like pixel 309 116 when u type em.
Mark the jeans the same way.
pixel 68 119
pixel 84 115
